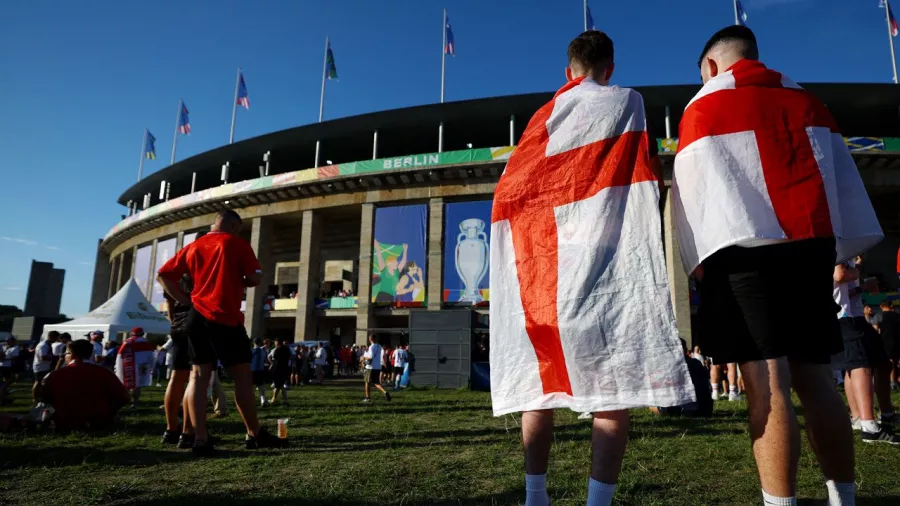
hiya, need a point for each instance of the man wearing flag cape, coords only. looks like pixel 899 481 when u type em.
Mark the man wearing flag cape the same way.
pixel 580 310
pixel 766 201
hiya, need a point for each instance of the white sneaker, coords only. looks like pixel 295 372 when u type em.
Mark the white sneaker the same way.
pixel 734 396
pixel 585 416
pixel 715 396
pixel 366 400
pixel 856 424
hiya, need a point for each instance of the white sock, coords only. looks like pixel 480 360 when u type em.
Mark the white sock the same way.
pixel 599 493
pixel 536 490
pixel 732 389
pixel 841 494
pixel 870 426
pixel 715 389
pixel 771 500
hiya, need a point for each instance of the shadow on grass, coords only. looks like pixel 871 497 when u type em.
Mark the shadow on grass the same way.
pixel 508 497
pixel 28 457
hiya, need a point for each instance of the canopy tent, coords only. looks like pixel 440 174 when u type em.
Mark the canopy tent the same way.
pixel 126 309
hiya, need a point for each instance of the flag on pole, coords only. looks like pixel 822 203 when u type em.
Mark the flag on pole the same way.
pixel 884 4
pixel 150 146
pixel 450 48
pixel 590 20
pixel 184 123
pixel 741 14
pixel 330 68
pixel 243 99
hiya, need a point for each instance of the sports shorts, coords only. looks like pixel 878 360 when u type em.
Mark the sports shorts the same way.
pixel 181 360
pixel 863 347
pixel 261 378
pixel 398 370
pixel 747 296
pixel 210 342
pixel 372 376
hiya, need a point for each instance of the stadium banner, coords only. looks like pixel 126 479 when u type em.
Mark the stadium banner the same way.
pixel 892 143
pixel 467 239
pixel 398 256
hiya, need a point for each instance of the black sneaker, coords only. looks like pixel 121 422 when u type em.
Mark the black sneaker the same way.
pixel 171 437
pixel 264 439
pixel 387 396
pixel 185 441
pixel 203 449
pixel 882 436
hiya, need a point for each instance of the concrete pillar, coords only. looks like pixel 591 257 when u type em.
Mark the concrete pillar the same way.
pixel 678 280
pixel 364 318
pixel 151 276
pixel 131 266
pixel 435 253
pixel 121 276
pixel 102 275
pixel 260 241
pixel 113 276
pixel 308 275
pixel 179 241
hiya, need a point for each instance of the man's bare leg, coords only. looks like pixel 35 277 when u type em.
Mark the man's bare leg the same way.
pixel 773 425
pixel 861 384
pixel 732 382
pixel 851 396
pixel 882 379
pixel 537 437
pixel 714 380
pixel 178 380
pixel 827 426
pixel 608 440
pixel 244 396
pixel 200 375
pixel 188 427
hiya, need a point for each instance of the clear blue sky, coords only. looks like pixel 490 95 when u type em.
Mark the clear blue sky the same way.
pixel 80 80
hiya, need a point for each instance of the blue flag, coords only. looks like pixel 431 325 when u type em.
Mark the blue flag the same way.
pixel 450 47
pixel 243 99
pixel 330 68
pixel 184 123
pixel 150 146
pixel 590 20
pixel 742 16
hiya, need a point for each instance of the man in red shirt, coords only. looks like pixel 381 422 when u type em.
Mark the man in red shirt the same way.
pixel 84 396
pixel 221 264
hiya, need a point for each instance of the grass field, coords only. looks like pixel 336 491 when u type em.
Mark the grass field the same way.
pixel 426 447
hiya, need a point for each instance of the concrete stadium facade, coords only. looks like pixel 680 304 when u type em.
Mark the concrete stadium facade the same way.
pixel 309 198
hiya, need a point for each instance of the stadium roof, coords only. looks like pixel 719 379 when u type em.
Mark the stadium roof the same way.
pixel 865 110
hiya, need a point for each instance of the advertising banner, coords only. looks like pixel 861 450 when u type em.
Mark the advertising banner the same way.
pixel 398 256
pixel 467 239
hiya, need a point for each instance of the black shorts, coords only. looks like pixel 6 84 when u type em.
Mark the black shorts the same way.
pixel 40 375
pixel 211 341
pixel 863 348
pixel 398 370
pixel 280 377
pixel 260 378
pixel 181 354
pixel 372 376
pixel 746 298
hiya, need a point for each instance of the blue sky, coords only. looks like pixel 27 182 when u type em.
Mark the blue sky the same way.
pixel 81 80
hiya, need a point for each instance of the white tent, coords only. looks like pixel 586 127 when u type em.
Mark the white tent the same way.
pixel 125 310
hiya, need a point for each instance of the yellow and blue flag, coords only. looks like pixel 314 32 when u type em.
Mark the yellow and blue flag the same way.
pixel 330 67
pixel 150 146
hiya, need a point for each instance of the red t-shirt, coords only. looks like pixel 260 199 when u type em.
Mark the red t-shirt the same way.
pixel 217 264
pixel 85 396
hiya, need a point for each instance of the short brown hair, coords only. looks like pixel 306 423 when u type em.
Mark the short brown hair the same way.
pixel 592 50
pixel 886 303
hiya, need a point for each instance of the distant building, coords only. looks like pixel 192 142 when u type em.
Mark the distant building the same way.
pixel 45 286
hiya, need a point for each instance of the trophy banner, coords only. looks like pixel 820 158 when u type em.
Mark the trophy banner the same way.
pixel 467 253
pixel 398 256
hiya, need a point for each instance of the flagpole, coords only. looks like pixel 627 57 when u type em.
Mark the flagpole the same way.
pixel 443 53
pixel 887 18
pixel 175 139
pixel 736 18
pixel 237 83
pixel 143 149
pixel 585 15
pixel 324 70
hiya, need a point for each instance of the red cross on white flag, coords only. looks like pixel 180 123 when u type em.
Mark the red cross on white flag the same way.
pixel 580 311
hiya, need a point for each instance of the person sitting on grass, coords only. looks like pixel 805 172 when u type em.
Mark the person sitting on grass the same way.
pixel 84 396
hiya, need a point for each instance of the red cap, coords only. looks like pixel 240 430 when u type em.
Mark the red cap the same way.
pixel 137 331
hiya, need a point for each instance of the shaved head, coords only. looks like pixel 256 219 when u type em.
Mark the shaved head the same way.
pixel 591 54
pixel 725 48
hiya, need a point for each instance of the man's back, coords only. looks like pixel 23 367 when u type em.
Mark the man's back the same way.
pixel 217 263
pixel 85 396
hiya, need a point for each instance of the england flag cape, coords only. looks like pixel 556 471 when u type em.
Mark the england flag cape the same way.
pixel 761 160
pixel 580 309
pixel 135 362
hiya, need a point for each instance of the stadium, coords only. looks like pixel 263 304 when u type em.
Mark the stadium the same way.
pixel 360 222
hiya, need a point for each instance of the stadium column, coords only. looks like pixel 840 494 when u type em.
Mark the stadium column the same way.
pixel 679 287
pixel 131 265
pixel 102 275
pixel 151 276
pixel 364 289
pixel 260 241
pixel 435 253
pixel 179 241
pixel 308 279
pixel 113 276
